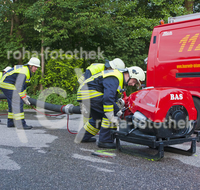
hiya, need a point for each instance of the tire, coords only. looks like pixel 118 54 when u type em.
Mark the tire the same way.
pixel 197 106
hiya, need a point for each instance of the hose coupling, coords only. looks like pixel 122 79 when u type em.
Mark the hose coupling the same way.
pixel 68 109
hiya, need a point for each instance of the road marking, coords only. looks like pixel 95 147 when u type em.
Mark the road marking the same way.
pixel 5 162
pixel 103 152
pixel 35 139
pixel 89 150
pixel 90 159
pixel 102 169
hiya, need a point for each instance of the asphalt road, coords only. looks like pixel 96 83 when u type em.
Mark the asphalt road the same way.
pixel 46 157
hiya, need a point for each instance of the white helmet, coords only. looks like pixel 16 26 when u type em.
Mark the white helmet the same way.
pixel 34 61
pixel 136 73
pixel 117 64
pixel 7 68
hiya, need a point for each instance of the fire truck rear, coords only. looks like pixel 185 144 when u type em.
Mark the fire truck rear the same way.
pixel 167 110
pixel 174 57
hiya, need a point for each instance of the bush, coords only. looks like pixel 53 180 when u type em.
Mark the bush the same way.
pixel 59 72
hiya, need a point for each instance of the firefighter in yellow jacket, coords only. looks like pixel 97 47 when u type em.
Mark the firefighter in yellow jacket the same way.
pixel 13 85
pixel 99 94
pixel 4 71
pixel 95 68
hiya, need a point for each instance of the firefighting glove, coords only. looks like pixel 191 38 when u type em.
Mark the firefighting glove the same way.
pixel 112 118
pixel 84 109
pixel 26 101
pixel 119 113
pixel 115 121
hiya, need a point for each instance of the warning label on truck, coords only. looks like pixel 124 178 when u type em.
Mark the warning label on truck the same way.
pixel 182 66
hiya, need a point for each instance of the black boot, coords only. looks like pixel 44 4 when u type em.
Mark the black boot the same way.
pixel 26 127
pixel 88 137
pixel 106 145
pixel 89 140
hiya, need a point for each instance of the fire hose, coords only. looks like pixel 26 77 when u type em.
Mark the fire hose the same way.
pixel 68 109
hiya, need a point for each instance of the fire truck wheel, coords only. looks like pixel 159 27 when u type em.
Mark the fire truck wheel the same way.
pixel 197 106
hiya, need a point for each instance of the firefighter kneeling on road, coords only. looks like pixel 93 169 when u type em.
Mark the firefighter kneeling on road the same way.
pixel 13 85
pixel 99 94
pixel 95 68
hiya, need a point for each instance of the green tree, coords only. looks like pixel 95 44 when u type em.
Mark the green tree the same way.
pixel 16 32
pixel 120 28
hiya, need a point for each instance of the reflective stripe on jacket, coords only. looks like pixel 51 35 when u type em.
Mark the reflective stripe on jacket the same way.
pixel 16 78
pixel 93 87
pixel 1 74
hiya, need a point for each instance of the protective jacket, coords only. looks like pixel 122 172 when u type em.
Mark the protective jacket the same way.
pixel 1 74
pixel 16 79
pixel 91 70
pixel 13 85
pixel 105 85
pixel 100 93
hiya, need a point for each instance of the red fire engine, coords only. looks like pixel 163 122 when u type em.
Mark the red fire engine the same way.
pixel 174 57
pixel 167 110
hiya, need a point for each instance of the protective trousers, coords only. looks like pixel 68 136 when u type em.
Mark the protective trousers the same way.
pixel 15 109
pixel 99 123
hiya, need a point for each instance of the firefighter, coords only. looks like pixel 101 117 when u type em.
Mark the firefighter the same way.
pixel 13 85
pixel 4 71
pixel 98 67
pixel 93 69
pixel 99 94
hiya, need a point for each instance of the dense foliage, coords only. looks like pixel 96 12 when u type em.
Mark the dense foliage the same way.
pixel 88 30
pixel 59 72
